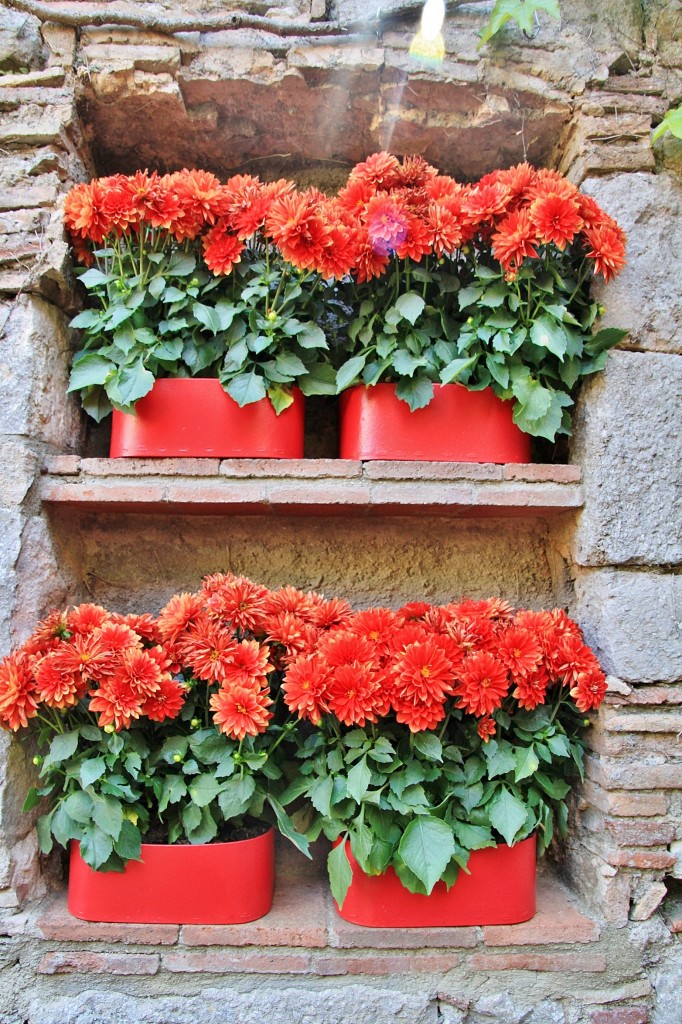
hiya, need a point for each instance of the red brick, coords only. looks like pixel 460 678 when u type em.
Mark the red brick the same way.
pixel 673 915
pixel 290 468
pixel 656 695
pixel 658 860
pixel 383 470
pixel 625 805
pixel 81 962
pixel 325 492
pixel 150 467
pixel 634 776
pixel 328 966
pixel 590 963
pixel 343 935
pixel 668 721
pixel 549 495
pixel 556 920
pixel 641 833
pixel 260 962
pixel 62 465
pixel 629 745
pixel 620 1015
pixel 437 494
pixel 542 473
pixel 57 923
pixel 298 918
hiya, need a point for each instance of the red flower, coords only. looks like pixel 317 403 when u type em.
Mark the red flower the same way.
pixel 304 687
pixel 486 727
pixel 83 212
pixel 241 711
pixel 483 683
pixel 181 612
pixel 327 614
pixel 375 625
pixel 295 225
pixel 380 171
pixel 352 694
pixel 341 647
pixel 207 650
pixel 17 692
pixel 387 223
pixel 486 201
pixel 515 240
pixel 369 263
pixel 166 702
pixel 519 650
pixel 202 199
pixel 556 218
pixel 236 601
pixel 221 249
pixel 531 689
pixel 139 671
pixel 86 617
pixel 288 631
pixel 422 671
pixel 117 703
pixel 54 686
pixel 446 229
pixel 248 664
pixel 606 247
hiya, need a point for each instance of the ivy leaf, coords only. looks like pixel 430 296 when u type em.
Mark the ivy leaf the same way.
pixel 410 306
pixel 426 848
pixel 417 393
pixel 340 873
pixel 507 814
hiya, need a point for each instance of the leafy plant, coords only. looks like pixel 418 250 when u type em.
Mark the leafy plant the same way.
pixel 523 12
pixel 485 285
pixel 672 122
pixel 187 277
pixel 439 730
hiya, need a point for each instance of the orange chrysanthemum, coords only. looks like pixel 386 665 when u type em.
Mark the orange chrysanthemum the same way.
pixel 237 602
pixel 482 685
pixel 166 702
pixel 515 240
pixel 556 219
pixel 86 617
pixel 207 650
pixel 519 651
pixel 116 702
pixel 606 247
pixel 380 171
pixel 353 694
pixel 181 612
pixel 221 248
pixel 423 671
pixel 248 664
pixel 486 727
pixel 55 687
pixel 17 692
pixel 304 687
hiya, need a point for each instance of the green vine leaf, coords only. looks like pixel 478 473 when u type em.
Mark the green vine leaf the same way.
pixel 521 11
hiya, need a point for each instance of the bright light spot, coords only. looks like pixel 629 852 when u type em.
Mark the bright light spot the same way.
pixel 433 16
pixel 428 44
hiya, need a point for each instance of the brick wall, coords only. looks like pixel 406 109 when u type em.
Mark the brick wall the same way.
pixel 580 96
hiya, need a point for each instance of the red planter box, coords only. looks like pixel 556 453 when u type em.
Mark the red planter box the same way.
pixel 457 426
pixel 195 418
pixel 500 889
pixel 218 883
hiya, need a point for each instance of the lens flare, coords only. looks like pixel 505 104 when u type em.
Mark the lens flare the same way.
pixel 428 45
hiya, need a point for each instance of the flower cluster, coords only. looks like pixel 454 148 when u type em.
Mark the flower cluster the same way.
pixel 421 662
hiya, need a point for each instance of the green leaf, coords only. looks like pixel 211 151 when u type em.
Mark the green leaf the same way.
pixel 500 758
pixel 203 789
pixel 62 747
pixel 206 829
pixel 472 837
pixel 286 827
pixel 527 763
pixel 603 340
pixel 520 11
pixel 428 744
pixel 79 807
pixel 88 318
pixel 93 278
pixel 44 833
pixel 173 790
pixel 417 393
pixel 359 778
pixel 340 873
pixel 546 333
pixel 455 369
pixel 289 364
pixel 468 296
pixel 405 364
pixel 235 795
pixel 410 306
pixel 672 122
pixel 90 369
pixel 207 316
pixel 349 372
pixel 426 848
pixel 320 794
pixel 64 827
pixel 281 398
pixel 507 814
pixel 108 814
pixel 96 847
pixel 246 388
pixel 311 336
pixel 128 843
pixel 134 382
pixel 495 295
pixel 319 380
pixel 90 771
pixel 556 788
pixel 181 264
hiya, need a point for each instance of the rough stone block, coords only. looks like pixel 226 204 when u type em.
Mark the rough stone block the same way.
pixel 626 437
pixel 632 621
pixel 34 357
pixel 20 42
pixel 648 207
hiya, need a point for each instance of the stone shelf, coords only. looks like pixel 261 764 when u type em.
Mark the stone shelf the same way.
pixel 302 934
pixel 310 486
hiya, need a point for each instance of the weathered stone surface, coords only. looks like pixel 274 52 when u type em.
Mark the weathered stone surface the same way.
pixel 632 621
pixel 42 583
pixel 10 545
pixel 627 430
pixel 353 1004
pixel 667 984
pixel 20 42
pixel 640 299
pixel 34 357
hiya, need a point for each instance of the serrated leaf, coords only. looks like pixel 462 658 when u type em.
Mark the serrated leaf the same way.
pixel 405 363
pixel 319 380
pixel 469 296
pixel 44 833
pixel 311 336
pixel 93 278
pixel 181 264
pixel 428 744
pixel 203 789
pixel 62 747
pixel 95 847
pixel 672 122
pixel 91 770
pixel 90 369
pixel 507 814
pixel 206 829
pixel 286 827
pixel 500 759
pixel 455 369
pixel 289 364
pixel 426 848
pixel 358 781
pixel 246 388
pixel 235 795
pixel 320 794
pixel 546 333
pixel 79 807
pixel 207 316
pixel 134 382
pixel 340 873
pixel 527 763
pixel 88 318
pixel 108 814
pixel 129 841
pixel 417 393
pixel 349 372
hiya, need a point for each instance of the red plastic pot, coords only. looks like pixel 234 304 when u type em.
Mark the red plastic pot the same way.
pixel 195 417
pixel 500 889
pixel 457 426
pixel 218 883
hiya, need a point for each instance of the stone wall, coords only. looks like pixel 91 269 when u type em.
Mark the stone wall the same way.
pixel 301 89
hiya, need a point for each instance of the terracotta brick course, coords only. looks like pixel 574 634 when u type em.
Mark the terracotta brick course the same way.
pixel 383 470
pixel 561 962
pixel 150 467
pixel 634 776
pixel 541 473
pixel 620 1015
pixel 260 962
pixel 640 721
pixel 656 860
pixel 396 964
pixel 623 804
pixel 81 962
pixel 556 920
pixel 57 923
pixel 344 935
pixel 290 468
pixel 641 833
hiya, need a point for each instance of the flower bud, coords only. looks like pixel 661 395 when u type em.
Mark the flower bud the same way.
pixel 194 282
pixel 586 722
pixel 177 758
pixel 195 723
pixel 601 309
pixel 470 320
pixel 37 759
pixel 272 315
pixel 110 728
